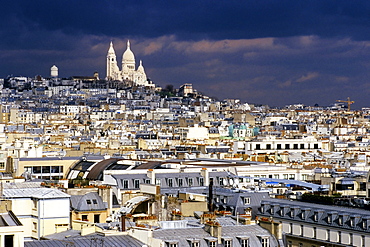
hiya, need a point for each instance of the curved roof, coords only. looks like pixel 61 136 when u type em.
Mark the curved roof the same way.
pixel 130 206
pixel 88 202
pixel 96 173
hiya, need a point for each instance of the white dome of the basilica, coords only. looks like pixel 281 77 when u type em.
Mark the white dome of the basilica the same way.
pixel 128 55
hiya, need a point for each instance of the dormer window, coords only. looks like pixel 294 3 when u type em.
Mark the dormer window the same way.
pixel 190 182
pixel 194 242
pixel 316 216
pixel 227 242
pixel 352 222
pixel 330 218
pixel 88 201
pixel 340 220
pixel 172 243
pixel 247 200
pixel 244 241
pixel 180 182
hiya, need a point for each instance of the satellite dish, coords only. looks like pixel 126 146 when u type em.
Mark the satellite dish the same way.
pixel 231 181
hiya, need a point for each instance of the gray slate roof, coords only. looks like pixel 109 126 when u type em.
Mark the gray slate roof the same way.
pixel 112 241
pixel 88 202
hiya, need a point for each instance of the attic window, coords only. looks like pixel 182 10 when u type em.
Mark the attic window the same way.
pixel 94 201
pixel 247 200
pixel 340 220
pixel 88 201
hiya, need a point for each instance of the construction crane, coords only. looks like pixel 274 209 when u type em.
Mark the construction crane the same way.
pixel 348 101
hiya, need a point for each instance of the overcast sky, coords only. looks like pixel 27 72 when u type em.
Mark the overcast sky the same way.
pixel 266 52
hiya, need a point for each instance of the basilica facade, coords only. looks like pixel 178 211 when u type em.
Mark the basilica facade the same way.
pixel 128 71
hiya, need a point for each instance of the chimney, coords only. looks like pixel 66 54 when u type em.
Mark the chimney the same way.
pixel 151 175
pixel 214 228
pixel 210 196
pixel 205 174
pixel 123 223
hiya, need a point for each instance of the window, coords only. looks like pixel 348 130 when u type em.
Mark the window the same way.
pixel 295 146
pixel 303 214
pixel 268 146
pixel 258 146
pixel 247 200
pixel 291 176
pixel 340 220
pixel 227 242
pixel 316 146
pixel 147 181
pixel 125 184
pixel 330 218
pixel 84 217
pixel 278 146
pixel 194 244
pixel 2 165
pixel 276 176
pixel 212 243
pixel 244 242
pixel 136 183
pixel 302 146
pixel 265 242
pixel 34 227
pixel 316 216
pixel 352 222
pixel 201 181
pixel 190 182
pixel 34 204
pixel 158 182
pixel 285 176
pixel 287 146
pixel 88 201
pixel 170 182
pixel 94 201
pixel 180 182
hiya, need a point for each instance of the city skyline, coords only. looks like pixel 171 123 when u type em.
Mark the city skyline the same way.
pixel 264 52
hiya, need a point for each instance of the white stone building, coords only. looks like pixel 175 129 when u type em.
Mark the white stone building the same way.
pixel 42 211
pixel 128 71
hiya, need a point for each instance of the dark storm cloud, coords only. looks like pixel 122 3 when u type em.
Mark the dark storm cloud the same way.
pixel 266 51
pixel 198 19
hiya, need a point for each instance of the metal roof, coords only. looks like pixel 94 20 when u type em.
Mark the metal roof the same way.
pixel 113 241
pixel 39 193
